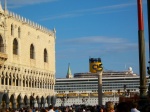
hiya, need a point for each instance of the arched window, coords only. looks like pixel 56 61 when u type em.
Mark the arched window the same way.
pixel 15 47
pixel 1 44
pixel 31 51
pixel 19 32
pixel 45 56
pixel 12 29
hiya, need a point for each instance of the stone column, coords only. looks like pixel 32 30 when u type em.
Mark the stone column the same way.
pixel 44 85
pixel 48 85
pixel 48 100
pixel 25 82
pixel 4 80
pixel 44 103
pixel 7 99
pixel 12 80
pixel 14 105
pixel 8 80
pixel 7 105
pixel 15 81
pixel 21 103
pixel 39 103
pixel 100 88
pixel 51 86
pixel 28 82
pixel 0 80
pixel 39 84
pixel 33 83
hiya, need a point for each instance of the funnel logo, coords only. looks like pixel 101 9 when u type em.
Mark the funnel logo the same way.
pixel 97 67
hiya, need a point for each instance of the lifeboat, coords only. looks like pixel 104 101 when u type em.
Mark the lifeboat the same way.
pixel 108 93
pixel 93 94
pixel 72 95
pixel 61 95
pixel 83 94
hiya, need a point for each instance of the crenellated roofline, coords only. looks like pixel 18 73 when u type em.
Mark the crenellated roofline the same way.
pixel 30 23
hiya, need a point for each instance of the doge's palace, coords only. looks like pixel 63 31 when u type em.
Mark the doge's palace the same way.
pixel 27 62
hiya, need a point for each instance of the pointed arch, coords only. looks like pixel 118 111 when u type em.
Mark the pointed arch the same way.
pixel 12 29
pixel 1 44
pixel 19 32
pixel 15 46
pixel 45 55
pixel 32 53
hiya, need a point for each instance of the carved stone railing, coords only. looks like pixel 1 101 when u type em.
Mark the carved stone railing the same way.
pixel 3 58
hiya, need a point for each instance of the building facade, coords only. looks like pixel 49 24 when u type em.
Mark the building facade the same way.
pixel 27 62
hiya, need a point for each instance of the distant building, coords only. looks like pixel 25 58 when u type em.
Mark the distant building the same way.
pixel 69 74
pixel 27 62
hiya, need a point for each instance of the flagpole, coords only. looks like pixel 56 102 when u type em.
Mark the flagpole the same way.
pixel 141 41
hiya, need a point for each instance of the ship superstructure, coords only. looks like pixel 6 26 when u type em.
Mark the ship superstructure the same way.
pixel 83 87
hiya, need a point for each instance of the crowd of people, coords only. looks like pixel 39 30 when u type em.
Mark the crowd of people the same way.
pixel 109 107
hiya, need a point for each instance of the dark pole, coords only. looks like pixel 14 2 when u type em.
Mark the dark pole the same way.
pixel 141 40
pixel 148 12
pixel 148 68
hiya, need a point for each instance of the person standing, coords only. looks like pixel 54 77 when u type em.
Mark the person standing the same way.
pixel 134 107
pixel 51 108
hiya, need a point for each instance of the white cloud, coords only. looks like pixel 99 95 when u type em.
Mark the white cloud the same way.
pixel 97 10
pixel 110 7
pixel 20 3
pixel 86 46
pixel 94 40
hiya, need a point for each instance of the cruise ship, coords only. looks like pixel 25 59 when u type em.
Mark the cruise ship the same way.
pixel 83 87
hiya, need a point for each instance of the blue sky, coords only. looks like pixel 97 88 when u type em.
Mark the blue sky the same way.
pixel 89 28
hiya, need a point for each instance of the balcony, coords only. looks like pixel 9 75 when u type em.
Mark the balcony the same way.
pixel 3 58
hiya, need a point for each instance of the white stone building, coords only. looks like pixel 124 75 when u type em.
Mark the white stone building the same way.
pixel 27 62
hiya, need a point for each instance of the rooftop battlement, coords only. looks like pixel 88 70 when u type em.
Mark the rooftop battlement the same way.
pixel 30 23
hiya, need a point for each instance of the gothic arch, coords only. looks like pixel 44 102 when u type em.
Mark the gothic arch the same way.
pixel 5 100
pixel 20 100
pixel 12 29
pixel 1 44
pixel 26 100
pixel 19 32
pixel 45 55
pixel 12 98
pixel 15 46
pixel 32 52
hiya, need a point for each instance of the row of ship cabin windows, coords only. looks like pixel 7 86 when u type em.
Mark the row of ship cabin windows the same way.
pixel 15 49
